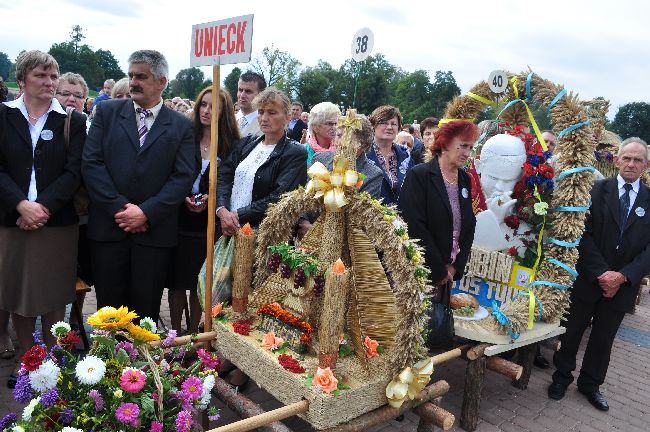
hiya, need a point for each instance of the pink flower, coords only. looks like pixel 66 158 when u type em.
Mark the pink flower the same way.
pixel 128 413
pixel 183 421
pixel 324 379
pixel 208 361
pixel 156 427
pixel 192 388
pixel 271 342
pixel 371 347
pixel 132 380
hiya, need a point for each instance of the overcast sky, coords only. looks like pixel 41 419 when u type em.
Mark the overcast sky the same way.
pixel 594 48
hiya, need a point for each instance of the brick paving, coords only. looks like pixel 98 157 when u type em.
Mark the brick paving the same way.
pixel 503 407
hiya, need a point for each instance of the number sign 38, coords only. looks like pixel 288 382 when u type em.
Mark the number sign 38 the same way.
pixel 362 44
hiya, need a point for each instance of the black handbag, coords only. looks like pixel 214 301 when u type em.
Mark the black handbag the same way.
pixel 440 322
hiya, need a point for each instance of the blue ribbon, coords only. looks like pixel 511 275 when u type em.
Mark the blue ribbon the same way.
pixel 573 171
pixel 503 320
pixel 572 272
pixel 556 99
pixel 572 128
pixel 563 243
pixel 508 105
pixel 569 209
pixel 551 284
pixel 529 79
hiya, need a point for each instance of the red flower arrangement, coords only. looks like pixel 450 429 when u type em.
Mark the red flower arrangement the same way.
pixel 512 251
pixel 512 221
pixel 33 358
pixel 70 340
pixel 242 327
pixel 290 363
pixel 276 311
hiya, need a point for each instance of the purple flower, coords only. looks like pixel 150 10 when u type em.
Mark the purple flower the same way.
pixel 128 347
pixel 128 413
pixel 597 155
pixel 23 392
pixel 609 156
pixel 533 159
pixel 49 398
pixel 156 427
pixel 184 421
pixel 548 154
pixel 97 397
pixel 169 339
pixel 215 417
pixel 7 420
pixel 66 416
pixel 37 337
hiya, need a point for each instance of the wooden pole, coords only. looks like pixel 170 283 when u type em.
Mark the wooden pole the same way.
pixel 525 359
pixel 266 418
pixel 474 375
pixel 504 367
pixel 182 340
pixel 446 356
pixel 212 195
pixel 476 351
pixel 434 415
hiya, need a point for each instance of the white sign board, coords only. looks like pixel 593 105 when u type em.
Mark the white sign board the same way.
pixel 362 44
pixel 229 41
pixel 498 81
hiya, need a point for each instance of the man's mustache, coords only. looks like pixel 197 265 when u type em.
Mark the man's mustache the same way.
pixel 136 89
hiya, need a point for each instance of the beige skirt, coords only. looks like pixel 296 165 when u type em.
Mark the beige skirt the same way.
pixel 38 269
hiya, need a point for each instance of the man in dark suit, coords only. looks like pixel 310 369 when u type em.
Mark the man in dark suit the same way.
pixel 614 256
pixel 296 125
pixel 139 162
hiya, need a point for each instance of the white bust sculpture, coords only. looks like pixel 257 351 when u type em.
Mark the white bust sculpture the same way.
pixel 500 167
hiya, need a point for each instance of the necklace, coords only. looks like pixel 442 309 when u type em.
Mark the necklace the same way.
pixel 33 118
pixel 446 179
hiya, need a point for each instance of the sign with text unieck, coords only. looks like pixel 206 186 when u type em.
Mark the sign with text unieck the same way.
pixel 226 42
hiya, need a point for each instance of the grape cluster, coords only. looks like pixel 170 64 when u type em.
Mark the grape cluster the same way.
pixel 274 262
pixel 299 278
pixel 319 284
pixel 285 270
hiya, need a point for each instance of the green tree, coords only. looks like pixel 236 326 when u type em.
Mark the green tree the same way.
pixel 413 96
pixel 76 36
pixel 109 65
pixel 320 83
pixel 231 81
pixel 81 60
pixel 633 120
pixel 376 82
pixel 279 69
pixel 443 90
pixel 188 83
pixel 5 66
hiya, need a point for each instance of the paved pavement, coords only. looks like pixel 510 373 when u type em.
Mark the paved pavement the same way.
pixel 504 408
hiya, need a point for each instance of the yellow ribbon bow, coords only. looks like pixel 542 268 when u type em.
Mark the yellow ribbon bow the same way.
pixel 330 185
pixel 409 383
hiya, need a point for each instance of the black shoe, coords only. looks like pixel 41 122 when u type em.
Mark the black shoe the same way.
pixel 541 362
pixel 596 398
pixel 556 391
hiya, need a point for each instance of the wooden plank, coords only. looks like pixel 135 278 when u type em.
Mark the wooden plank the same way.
pixel 498 349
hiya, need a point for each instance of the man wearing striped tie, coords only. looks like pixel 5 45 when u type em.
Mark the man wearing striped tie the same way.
pixel 249 86
pixel 139 162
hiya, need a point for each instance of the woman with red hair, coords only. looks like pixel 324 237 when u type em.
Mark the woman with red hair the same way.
pixel 436 203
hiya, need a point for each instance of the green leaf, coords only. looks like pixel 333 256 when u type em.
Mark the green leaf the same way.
pixel 309 380
pixel 147 403
pixel 381 349
pixel 123 357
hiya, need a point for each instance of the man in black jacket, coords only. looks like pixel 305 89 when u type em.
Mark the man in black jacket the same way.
pixel 614 256
pixel 139 162
pixel 296 125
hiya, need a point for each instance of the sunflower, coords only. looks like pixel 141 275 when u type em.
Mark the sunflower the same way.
pixel 140 334
pixel 109 318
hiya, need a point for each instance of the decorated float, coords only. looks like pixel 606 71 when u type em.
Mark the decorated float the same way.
pixel 530 208
pixel 338 319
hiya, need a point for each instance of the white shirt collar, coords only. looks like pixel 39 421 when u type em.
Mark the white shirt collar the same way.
pixel 20 104
pixel 635 184
pixel 154 110
pixel 250 117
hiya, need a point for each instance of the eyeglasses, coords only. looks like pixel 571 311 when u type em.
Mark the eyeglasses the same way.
pixel 386 124
pixel 330 124
pixel 67 94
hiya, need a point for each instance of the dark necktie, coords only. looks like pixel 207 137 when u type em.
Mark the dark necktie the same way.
pixel 624 206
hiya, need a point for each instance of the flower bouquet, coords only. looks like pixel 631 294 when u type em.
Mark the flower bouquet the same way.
pixel 123 384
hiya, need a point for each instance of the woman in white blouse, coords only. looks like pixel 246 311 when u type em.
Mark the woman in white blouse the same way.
pixel 260 169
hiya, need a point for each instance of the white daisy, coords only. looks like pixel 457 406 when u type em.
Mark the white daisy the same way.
pixel 45 377
pixel 17 428
pixel 90 370
pixel 60 329
pixel 148 324
pixel 29 409
pixel 71 429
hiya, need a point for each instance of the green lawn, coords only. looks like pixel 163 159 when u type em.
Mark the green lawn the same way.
pixel 13 86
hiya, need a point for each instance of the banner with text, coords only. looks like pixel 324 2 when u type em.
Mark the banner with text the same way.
pixel 228 40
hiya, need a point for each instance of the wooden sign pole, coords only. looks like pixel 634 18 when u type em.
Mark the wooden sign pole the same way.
pixel 212 195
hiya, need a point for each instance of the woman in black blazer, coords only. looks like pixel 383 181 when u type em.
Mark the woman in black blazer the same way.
pixel 39 175
pixel 436 203
pixel 260 169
